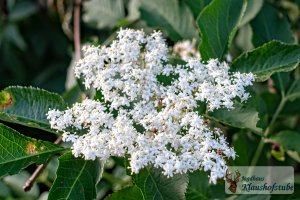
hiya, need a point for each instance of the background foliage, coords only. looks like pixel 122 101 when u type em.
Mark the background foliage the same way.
pixel 36 49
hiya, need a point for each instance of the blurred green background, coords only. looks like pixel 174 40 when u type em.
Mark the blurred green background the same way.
pixel 34 50
pixel 36 42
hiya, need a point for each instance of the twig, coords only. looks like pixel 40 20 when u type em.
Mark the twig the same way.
pixel 29 183
pixel 77 29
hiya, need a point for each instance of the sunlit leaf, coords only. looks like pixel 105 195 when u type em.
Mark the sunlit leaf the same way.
pixel 28 106
pixel 268 59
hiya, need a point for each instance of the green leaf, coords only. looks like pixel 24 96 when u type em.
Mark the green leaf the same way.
pixel 173 16
pixel 218 23
pixel 291 108
pixel 154 185
pixel 288 139
pixel 268 59
pixel 243 148
pixel 269 25
pixel 28 106
pixel 244 115
pixel 197 5
pixel 18 151
pixel 253 7
pixel 76 178
pixel 103 13
pixel 198 187
pixel 130 193
pixel 282 81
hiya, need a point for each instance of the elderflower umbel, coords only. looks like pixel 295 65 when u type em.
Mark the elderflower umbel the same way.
pixel 156 123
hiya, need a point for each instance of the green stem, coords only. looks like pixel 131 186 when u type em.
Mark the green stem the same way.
pixel 275 116
pixel 284 98
pixel 258 151
pixel 267 132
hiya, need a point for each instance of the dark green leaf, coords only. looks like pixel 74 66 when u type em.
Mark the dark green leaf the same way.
pixel 269 25
pixel 173 16
pixel 282 81
pixel 198 187
pixel 291 108
pixel 244 115
pixel 103 13
pixel 130 193
pixel 76 178
pixel 218 22
pixel 154 185
pixel 18 151
pixel 243 148
pixel 268 59
pixel 28 106
pixel 253 7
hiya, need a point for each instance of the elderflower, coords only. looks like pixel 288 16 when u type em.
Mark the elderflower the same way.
pixel 156 123
pixel 186 50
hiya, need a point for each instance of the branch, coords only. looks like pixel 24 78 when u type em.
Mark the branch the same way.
pixel 77 29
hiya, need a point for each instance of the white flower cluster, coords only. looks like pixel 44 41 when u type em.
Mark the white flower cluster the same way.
pixel 186 50
pixel 157 121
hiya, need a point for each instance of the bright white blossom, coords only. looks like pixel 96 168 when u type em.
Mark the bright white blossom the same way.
pixel 157 121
